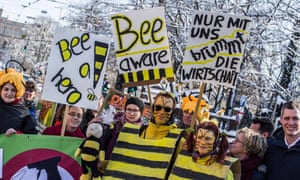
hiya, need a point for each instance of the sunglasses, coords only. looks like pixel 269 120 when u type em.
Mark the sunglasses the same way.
pixel 159 108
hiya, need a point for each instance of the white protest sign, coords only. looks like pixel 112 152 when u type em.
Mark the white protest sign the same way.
pixel 215 48
pixel 76 68
pixel 142 46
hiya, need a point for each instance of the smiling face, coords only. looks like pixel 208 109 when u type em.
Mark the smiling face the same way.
pixel 8 93
pixel 74 118
pixel 29 94
pixel 163 108
pixel 290 121
pixel 132 113
pixel 205 140
pixel 30 91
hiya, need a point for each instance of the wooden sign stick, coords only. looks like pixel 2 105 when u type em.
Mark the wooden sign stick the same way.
pixel 64 123
pixel 194 118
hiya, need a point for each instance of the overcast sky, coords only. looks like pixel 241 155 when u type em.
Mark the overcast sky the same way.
pixel 23 10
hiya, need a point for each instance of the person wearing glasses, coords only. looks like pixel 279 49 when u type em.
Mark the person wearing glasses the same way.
pixel 144 151
pixel 162 117
pixel 249 147
pixel 132 114
pixel 15 117
pixel 73 120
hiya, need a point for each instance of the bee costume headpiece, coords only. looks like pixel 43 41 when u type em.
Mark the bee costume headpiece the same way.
pixel 10 75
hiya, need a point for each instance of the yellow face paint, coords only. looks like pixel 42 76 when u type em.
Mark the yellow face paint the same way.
pixel 163 108
pixel 204 141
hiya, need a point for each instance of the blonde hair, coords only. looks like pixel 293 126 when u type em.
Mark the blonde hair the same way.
pixel 254 142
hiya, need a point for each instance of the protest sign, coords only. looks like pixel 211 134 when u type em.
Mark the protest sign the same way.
pixel 215 48
pixel 76 68
pixel 142 47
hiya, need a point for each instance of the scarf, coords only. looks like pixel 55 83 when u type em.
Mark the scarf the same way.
pixel 157 132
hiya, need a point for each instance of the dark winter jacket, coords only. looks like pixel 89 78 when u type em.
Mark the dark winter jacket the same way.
pixel 281 162
pixel 16 115
pixel 31 107
pixel 250 168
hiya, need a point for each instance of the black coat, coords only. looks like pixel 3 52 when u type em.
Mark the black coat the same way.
pixel 17 116
pixel 281 162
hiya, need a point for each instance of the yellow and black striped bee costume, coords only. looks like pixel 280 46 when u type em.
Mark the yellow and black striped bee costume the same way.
pixel 136 158
pixel 185 168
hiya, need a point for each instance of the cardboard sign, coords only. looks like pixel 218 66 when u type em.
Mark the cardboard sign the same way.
pixel 76 68
pixel 215 48
pixel 142 47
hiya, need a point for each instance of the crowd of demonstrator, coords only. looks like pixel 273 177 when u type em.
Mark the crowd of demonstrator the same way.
pixel 202 151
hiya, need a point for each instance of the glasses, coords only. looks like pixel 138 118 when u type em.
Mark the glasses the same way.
pixel 132 110
pixel 239 141
pixel 159 108
pixel 74 114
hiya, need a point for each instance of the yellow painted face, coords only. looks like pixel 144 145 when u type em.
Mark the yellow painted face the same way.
pixel 204 141
pixel 163 108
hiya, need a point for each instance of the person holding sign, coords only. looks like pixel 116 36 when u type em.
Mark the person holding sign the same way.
pixel 73 120
pixel 188 108
pixel 208 160
pixel 15 117
pixel 144 152
pixel 162 120
pixel 133 114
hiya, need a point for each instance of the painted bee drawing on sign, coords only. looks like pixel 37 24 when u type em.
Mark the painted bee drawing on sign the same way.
pixel 91 95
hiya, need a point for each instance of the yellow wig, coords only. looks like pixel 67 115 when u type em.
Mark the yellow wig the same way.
pixel 15 78
pixel 189 104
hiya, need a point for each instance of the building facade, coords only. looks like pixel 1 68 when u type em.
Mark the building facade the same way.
pixel 10 31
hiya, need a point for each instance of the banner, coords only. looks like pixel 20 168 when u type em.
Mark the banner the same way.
pixel 215 48
pixel 39 157
pixel 142 47
pixel 76 68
